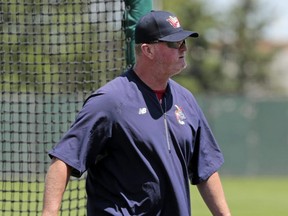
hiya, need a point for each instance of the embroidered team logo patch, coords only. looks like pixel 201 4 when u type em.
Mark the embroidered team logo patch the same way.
pixel 180 115
pixel 174 22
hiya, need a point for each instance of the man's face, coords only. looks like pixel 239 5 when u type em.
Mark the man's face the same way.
pixel 170 56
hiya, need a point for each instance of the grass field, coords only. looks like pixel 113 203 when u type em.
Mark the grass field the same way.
pixel 259 196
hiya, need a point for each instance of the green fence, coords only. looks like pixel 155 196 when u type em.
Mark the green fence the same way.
pixel 253 133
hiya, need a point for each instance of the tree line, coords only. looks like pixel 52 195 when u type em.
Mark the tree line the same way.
pixel 227 58
pixel 54 46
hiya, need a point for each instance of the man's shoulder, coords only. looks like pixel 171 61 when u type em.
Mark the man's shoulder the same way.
pixel 111 92
pixel 179 88
pixel 117 84
pixel 182 93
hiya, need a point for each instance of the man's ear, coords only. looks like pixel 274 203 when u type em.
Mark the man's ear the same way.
pixel 148 50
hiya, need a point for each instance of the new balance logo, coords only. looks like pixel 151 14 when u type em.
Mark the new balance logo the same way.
pixel 142 111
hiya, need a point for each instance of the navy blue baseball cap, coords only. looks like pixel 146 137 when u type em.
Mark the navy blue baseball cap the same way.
pixel 160 26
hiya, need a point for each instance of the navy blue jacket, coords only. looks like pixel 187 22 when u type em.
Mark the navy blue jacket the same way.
pixel 139 154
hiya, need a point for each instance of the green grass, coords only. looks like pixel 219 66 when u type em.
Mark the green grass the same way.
pixel 25 199
pixel 259 196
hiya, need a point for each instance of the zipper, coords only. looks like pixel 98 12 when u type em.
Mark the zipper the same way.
pixel 166 126
pixel 167 133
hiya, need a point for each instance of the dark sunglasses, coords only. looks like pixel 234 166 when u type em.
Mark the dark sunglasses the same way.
pixel 173 45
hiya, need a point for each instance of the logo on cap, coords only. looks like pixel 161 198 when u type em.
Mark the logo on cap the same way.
pixel 174 22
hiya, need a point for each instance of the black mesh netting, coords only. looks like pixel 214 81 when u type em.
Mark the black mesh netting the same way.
pixel 53 54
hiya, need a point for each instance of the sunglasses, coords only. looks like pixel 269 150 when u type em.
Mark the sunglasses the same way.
pixel 173 45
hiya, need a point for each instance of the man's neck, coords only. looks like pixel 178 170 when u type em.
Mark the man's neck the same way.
pixel 149 76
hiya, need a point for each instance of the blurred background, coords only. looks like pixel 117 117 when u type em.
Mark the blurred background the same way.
pixel 54 53
pixel 242 46
pixel 238 71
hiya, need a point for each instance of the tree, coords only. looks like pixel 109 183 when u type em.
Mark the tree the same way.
pixel 192 16
pixel 227 58
pixel 246 25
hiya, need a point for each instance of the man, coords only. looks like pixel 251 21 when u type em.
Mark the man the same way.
pixel 141 137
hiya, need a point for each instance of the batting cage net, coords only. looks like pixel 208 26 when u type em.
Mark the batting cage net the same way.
pixel 53 54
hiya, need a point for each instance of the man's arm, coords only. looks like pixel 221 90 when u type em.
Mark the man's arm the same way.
pixel 56 180
pixel 213 195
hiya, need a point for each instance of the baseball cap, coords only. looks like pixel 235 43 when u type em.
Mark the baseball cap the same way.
pixel 161 26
